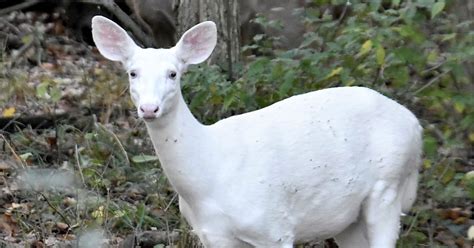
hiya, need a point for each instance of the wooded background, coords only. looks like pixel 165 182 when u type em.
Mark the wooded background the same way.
pixel 78 169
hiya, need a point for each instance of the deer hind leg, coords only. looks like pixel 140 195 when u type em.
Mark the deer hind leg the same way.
pixel 355 236
pixel 381 213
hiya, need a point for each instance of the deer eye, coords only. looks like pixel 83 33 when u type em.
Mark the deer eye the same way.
pixel 172 75
pixel 133 74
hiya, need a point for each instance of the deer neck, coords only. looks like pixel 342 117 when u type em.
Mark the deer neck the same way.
pixel 182 145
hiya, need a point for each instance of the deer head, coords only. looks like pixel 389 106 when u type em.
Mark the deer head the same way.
pixel 154 74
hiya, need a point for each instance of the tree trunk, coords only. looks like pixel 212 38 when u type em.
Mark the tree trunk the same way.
pixel 464 10
pixel 225 14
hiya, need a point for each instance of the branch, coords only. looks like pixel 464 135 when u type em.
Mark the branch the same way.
pixel 19 6
pixel 432 81
pixel 55 209
pixel 126 21
pixel 344 11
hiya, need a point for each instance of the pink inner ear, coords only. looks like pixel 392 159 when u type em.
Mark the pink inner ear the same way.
pixel 197 37
pixel 111 35
pixel 196 44
pixel 192 39
pixel 112 41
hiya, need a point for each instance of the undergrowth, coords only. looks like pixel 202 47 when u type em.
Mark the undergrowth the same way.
pixel 416 52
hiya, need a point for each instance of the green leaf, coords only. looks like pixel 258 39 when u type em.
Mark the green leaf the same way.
pixel 418 236
pixel 25 156
pixel 27 39
pixel 55 93
pixel 310 39
pixel 287 83
pixel 408 13
pixel 469 176
pixel 425 3
pixel 448 175
pixel 228 101
pixel 447 37
pixel 140 159
pixel 432 57
pixel 375 4
pixel 140 214
pixel 42 90
pixel 365 48
pixel 380 55
pixel 334 72
pixel 90 136
pixel 430 145
pixel 411 32
pixel 437 8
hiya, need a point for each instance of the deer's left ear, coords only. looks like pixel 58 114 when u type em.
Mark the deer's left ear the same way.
pixel 197 44
pixel 111 40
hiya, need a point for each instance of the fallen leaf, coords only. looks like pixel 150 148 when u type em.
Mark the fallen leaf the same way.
pixel 48 66
pixel 8 225
pixel 62 226
pixel 69 201
pixel 67 237
pixel 37 244
pixel 460 220
pixel 4 166
pixel 471 137
pixel 9 112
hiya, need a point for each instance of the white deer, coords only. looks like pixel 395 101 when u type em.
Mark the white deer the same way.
pixel 340 162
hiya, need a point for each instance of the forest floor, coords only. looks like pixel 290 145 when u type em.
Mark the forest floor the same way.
pixel 78 169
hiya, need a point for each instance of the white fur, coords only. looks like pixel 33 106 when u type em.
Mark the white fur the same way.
pixel 338 162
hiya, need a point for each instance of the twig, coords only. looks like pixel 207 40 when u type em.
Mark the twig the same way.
pixel 430 228
pixel 433 67
pixel 168 234
pixel 107 205
pixel 78 162
pixel 54 208
pixel 19 6
pixel 344 11
pixel 169 203
pixel 111 6
pixel 122 149
pixel 23 50
pixel 13 151
pixel 11 26
pixel 432 81
pixel 412 224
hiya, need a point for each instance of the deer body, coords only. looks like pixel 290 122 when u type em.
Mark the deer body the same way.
pixel 339 162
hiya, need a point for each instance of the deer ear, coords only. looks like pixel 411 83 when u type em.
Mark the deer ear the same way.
pixel 112 41
pixel 197 44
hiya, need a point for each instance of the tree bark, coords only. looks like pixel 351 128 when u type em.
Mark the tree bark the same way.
pixel 464 10
pixel 225 14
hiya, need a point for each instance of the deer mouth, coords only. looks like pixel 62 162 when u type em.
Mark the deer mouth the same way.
pixel 149 117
